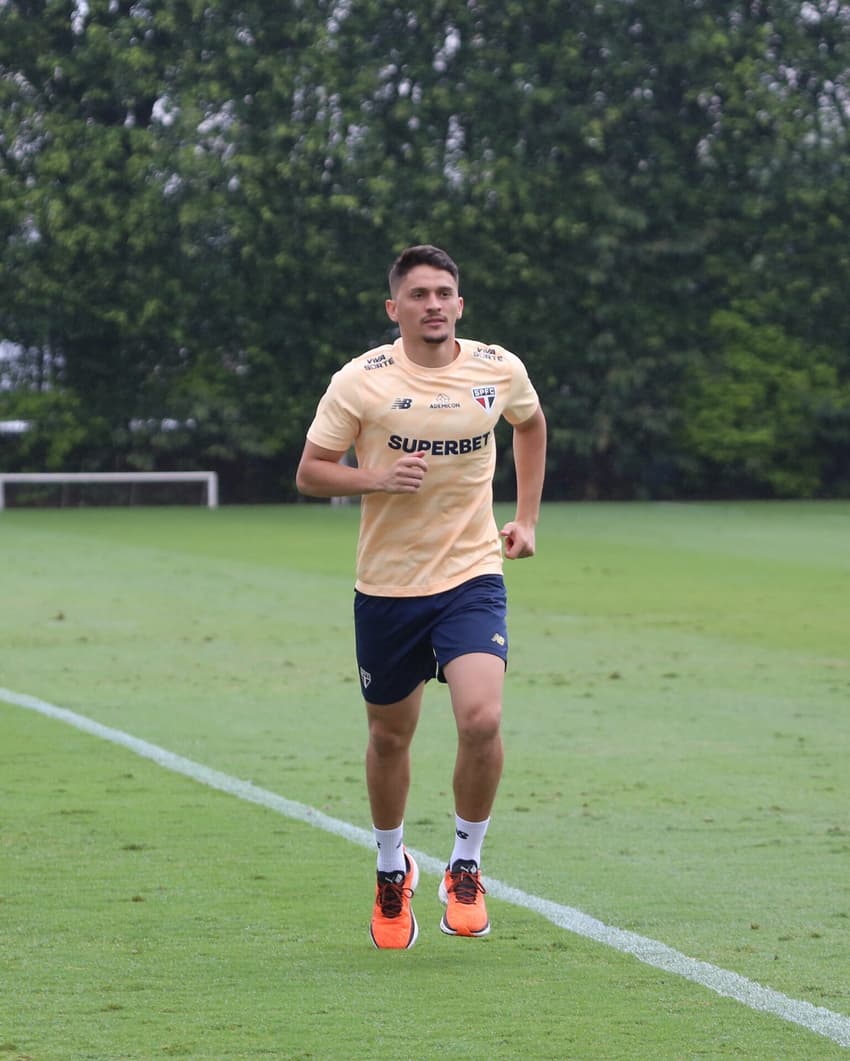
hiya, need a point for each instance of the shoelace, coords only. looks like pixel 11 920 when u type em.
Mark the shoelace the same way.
pixel 391 897
pixel 466 886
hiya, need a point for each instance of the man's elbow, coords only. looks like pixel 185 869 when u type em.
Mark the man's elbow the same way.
pixel 304 483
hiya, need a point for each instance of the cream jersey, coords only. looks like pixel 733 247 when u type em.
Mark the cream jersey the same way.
pixel 386 406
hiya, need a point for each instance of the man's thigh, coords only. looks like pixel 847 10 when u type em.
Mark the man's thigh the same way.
pixel 476 683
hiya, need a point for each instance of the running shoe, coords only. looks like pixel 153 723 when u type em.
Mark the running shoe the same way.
pixel 463 893
pixel 393 924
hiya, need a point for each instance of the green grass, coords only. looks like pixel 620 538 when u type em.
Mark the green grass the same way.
pixel 677 737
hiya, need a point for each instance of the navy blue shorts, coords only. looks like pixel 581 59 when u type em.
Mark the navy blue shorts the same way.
pixel 402 641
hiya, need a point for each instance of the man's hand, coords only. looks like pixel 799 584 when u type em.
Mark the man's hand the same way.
pixel 405 476
pixel 518 539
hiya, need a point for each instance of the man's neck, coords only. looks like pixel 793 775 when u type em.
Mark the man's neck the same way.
pixel 431 355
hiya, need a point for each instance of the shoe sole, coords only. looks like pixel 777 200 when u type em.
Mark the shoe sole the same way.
pixel 414 884
pixel 447 928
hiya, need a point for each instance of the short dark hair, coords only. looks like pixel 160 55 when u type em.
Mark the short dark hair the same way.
pixel 422 254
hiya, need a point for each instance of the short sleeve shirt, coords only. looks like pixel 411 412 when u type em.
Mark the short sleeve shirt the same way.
pixel 386 405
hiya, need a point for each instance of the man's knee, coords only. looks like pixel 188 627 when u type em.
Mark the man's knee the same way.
pixel 389 736
pixel 479 723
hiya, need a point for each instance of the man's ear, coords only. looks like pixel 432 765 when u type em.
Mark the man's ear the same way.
pixel 459 307
pixel 389 305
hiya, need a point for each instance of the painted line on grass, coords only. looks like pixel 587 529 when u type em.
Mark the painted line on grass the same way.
pixel 825 1022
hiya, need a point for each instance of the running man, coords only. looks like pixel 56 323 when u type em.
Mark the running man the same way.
pixel 429 596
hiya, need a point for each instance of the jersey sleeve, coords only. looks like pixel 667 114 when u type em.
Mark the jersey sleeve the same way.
pixel 337 421
pixel 522 399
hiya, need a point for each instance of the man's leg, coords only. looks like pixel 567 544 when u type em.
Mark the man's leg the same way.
pixel 476 681
pixel 391 729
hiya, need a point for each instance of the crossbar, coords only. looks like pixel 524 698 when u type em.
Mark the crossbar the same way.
pixel 210 478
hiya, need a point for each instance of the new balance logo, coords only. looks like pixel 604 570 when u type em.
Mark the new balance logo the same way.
pixel 402 403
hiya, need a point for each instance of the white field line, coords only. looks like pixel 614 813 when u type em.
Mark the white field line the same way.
pixel 834 1026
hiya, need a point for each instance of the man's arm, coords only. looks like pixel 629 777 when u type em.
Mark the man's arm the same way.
pixel 321 475
pixel 530 464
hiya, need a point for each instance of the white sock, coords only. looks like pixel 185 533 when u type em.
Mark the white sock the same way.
pixel 390 850
pixel 469 836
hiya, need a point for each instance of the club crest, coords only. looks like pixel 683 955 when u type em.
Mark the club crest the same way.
pixel 485 396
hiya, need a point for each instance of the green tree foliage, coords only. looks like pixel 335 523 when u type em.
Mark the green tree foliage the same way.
pixel 647 201
pixel 753 410
pixel 90 276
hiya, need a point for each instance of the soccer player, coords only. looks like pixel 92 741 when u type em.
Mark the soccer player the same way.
pixel 429 595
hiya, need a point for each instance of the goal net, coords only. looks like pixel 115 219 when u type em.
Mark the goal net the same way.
pixel 57 489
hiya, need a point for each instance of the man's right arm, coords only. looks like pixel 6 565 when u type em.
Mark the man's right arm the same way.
pixel 320 474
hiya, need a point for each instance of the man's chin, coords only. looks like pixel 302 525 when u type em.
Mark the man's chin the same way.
pixel 435 340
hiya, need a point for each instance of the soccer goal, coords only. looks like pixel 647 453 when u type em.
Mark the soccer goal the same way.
pixel 132 480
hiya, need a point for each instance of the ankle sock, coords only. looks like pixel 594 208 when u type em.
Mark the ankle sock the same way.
pixel 469 836
pixel 390 849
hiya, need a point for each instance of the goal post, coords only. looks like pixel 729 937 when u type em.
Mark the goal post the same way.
pixel 208 478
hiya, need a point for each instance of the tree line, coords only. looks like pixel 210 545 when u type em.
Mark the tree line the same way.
pixel 648 202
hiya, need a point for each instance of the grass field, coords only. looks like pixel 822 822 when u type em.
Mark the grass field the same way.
pixel 677 735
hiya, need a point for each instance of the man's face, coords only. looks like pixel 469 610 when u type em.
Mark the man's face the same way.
pixel 426 305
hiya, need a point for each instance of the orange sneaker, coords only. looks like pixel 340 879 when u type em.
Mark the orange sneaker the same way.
pixel 463 893
pixel 393 924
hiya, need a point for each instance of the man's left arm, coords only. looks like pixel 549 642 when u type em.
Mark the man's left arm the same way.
pixel 529 446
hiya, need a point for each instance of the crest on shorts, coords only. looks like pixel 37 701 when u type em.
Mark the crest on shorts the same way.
pixel 485 396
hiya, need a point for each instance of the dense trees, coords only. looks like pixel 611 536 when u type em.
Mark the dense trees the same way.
pixel 648 202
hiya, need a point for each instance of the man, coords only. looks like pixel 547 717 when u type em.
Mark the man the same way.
pixel 430 598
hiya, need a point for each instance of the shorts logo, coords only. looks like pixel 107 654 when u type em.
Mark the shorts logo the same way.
pixel 500 641
pixel 485 396
pixel 365 678
pixel 402 403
